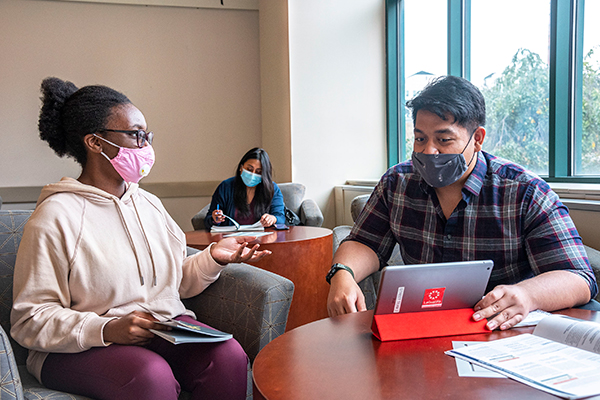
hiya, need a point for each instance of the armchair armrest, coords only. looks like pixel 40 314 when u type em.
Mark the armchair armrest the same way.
pixel 310 213
pixel 12 387
pixel 594 259
pixel 198 219
pixel 251 303
pixel 367 285
pixel 339 233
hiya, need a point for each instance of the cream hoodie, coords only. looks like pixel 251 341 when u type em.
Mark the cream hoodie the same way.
pixel 87 257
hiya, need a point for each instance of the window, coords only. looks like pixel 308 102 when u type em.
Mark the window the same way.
pixel 422 66
pixel 537 63
pixel 588 144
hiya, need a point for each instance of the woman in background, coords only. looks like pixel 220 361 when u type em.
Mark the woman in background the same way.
pixel 249 196
pixel 99 252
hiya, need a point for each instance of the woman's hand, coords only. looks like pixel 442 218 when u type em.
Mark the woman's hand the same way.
pixel 132 329
pixel 234 250
pixel 217 216
pixel 268 220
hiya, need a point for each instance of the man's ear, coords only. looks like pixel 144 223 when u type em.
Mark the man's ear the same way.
pixel 92 143
pixel 478 137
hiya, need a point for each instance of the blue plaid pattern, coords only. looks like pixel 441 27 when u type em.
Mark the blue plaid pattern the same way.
pixel 507 214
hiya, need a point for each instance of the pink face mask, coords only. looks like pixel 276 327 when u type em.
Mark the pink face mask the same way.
pixel 131 164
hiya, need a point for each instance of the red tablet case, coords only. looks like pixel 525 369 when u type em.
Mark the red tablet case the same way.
pixel 426 324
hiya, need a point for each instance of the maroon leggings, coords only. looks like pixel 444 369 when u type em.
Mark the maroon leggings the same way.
pixel 157 371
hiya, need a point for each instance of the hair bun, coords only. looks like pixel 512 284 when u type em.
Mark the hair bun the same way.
pixel 55 93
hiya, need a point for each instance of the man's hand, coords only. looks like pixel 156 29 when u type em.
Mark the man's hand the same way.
pixel 234 250
pixel 132 329
pixel 509 303
pixel 344 295
pixel 550 291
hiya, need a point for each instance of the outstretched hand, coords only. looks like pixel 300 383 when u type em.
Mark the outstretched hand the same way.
pixel 235 250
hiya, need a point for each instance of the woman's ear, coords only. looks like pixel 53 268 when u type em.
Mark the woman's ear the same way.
pixel 478 137
pixel 92 143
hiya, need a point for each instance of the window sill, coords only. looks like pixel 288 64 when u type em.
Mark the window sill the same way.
pixel 582 191
pixel 576 196
pixel 362 182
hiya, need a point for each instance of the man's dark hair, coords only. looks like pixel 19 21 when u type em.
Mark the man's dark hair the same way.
pixel 451 95
pixel 69 113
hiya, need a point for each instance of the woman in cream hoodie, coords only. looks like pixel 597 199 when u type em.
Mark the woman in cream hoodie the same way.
pixel 98 251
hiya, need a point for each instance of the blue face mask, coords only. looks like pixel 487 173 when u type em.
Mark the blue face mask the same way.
pixel 250 179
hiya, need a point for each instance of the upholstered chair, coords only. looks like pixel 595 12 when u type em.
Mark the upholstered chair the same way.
pixel 246 301
pixel 293 197
pixel 370 284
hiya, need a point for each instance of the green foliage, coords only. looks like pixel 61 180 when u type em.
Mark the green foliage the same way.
pixel 517 105
pixel 517 112
pixel 590 141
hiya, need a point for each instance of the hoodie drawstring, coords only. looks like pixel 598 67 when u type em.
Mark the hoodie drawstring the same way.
pixel 137 259
pixel 147 242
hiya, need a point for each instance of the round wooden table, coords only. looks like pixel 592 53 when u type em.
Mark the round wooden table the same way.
pixel 339 358
pixel 302 254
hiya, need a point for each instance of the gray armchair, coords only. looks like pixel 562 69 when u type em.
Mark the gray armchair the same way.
pixel 198 219
pixel 370 284
pixel 293 197
pixel 246 301
pixel 594 257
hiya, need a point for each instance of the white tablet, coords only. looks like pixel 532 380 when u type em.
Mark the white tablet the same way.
pixel 429 287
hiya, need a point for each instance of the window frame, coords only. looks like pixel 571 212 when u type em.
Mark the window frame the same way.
pixel 566 73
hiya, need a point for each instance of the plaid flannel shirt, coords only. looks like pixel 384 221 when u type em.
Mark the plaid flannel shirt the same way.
pixel 507 214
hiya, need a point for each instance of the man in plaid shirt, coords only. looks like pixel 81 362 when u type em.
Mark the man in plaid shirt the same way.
pixel 454 202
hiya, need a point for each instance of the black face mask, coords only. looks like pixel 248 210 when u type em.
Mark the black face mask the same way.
pixel 440 170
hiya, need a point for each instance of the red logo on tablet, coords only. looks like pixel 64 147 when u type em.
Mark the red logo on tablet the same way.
pixel 433 297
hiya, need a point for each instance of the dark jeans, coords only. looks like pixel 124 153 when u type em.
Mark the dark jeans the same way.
pixel 157 371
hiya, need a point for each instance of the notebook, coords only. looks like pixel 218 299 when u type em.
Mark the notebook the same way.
pixel 432 287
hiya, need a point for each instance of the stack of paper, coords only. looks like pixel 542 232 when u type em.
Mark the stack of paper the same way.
pixel 562 357
pixel 257 227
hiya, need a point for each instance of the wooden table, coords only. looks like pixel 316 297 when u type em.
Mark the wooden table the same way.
pixel 339 358
pixel 302 254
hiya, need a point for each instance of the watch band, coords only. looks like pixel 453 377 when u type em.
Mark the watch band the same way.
pixel 335 268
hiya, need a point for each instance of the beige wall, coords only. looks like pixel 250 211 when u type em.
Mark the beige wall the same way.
pixel 337 84
pixel 304 79
pixel 587 225
pixel 212 83
pixel 194 73
pixel 275 86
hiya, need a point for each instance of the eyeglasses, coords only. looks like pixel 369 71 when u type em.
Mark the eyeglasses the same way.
pixel 141 135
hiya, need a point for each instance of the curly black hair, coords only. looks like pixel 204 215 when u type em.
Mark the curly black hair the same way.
pixel 69 113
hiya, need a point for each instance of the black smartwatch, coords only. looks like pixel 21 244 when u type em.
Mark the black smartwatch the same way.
pixel 335 268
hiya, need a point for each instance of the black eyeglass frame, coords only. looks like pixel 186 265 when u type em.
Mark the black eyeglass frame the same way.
pixel 141 135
